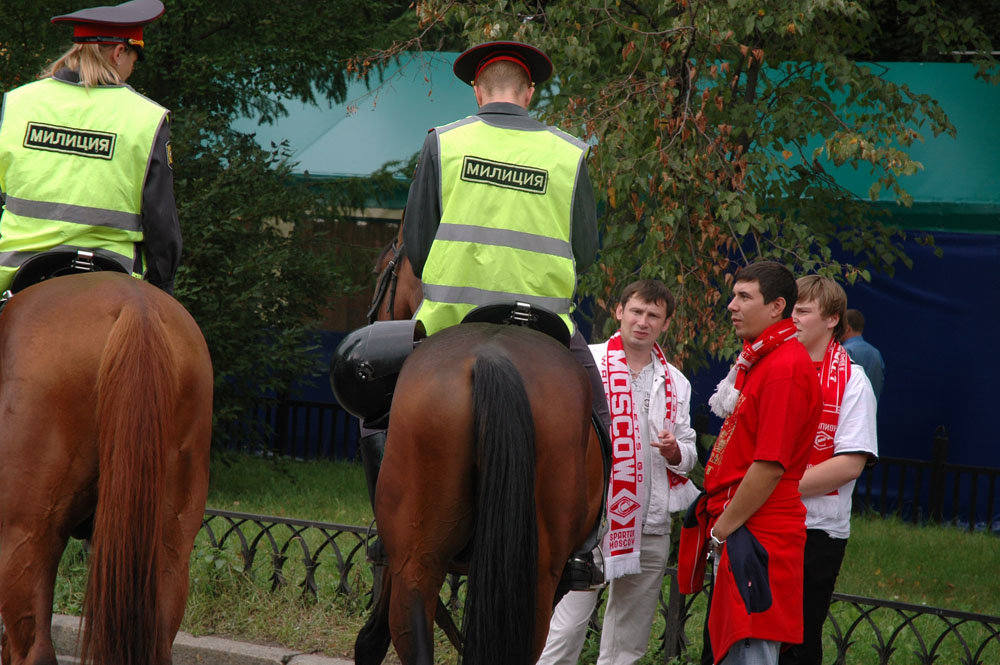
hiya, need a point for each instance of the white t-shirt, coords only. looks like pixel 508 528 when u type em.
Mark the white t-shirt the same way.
pixel 855 434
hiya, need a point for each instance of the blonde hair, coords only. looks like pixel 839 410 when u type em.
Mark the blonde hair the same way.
pixel 503 76
pixel 90 61
pixel 828 295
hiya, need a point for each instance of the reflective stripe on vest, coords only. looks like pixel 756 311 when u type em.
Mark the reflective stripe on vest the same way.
pixel 505 231
pixel 72 165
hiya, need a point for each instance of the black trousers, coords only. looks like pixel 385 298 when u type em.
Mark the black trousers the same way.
pixel 823 557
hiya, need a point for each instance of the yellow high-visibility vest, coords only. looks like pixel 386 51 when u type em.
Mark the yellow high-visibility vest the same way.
pixel 73 161
pixel 505 231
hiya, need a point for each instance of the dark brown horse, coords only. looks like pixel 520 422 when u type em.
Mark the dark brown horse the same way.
pixel 491 468
pixel 491 460
pixel 106 403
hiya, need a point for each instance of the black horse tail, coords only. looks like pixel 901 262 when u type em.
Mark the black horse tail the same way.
pixel 500 602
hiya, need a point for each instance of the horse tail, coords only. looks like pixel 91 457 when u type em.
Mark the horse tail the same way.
pixel 135 399
pixel 500 603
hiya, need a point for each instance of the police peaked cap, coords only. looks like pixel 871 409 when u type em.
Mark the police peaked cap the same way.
pixel 120 24
pixel 535 63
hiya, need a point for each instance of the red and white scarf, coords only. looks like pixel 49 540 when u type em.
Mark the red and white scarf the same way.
pixel 626 493
pixel 834 374
pixel 723 400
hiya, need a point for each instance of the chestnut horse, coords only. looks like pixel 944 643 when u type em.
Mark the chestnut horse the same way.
pixel 491 468
pixel 106 402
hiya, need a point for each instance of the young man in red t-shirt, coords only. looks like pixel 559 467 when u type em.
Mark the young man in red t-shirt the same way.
pixel 771 401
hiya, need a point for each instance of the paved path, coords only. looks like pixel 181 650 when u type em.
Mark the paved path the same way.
pixel 191 650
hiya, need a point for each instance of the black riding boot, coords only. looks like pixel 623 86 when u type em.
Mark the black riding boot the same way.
pixel 372 446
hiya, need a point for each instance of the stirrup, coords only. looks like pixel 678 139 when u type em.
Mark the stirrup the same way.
pixel 374 549
pixel 582 573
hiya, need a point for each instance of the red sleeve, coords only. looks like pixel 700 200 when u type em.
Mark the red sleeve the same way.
pixel 780 411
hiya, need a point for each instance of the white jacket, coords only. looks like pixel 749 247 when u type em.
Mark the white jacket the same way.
pixel 656 511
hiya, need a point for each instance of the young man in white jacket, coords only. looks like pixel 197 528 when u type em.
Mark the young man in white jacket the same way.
pixel 654 449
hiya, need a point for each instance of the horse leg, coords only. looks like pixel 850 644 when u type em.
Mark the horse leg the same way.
pixel 28 565
pixel 569 455
pixel 373 640
pixel 184 496
pixel 423 502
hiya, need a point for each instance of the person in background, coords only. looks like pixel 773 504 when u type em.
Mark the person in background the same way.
pixel 862 352
pixel 85 159
pixel 650 402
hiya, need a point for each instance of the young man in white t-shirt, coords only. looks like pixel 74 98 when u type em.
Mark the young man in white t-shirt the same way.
pixel 845 443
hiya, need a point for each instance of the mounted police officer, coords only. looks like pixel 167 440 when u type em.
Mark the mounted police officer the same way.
pixel 85 159
pixel 501 209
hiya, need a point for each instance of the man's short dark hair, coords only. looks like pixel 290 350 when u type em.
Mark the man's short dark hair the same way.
pixel 503 75
pixel 649 290
pixel 856 320
pixel 775 280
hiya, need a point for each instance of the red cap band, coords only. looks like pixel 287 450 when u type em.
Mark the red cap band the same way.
pixel 503 56
pixel 114 31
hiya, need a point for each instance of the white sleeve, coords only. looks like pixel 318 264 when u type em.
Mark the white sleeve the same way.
pixel 856 432
pixel 686 436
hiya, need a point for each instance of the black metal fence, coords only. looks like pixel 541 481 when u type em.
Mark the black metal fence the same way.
pixel 862 630
pixel 932 490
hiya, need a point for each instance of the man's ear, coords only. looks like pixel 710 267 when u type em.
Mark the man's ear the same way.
pixel 777 307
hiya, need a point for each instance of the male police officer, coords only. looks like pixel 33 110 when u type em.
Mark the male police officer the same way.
pixel 501 207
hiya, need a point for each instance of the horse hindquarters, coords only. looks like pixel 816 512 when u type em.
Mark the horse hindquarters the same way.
pixel 500 606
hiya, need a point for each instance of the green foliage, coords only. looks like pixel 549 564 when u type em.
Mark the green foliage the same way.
pixel 715 126
pixel 259 259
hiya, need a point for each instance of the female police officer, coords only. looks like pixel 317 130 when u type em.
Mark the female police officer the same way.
pixel 85 159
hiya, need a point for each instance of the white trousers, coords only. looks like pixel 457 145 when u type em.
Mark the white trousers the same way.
pixel 628 613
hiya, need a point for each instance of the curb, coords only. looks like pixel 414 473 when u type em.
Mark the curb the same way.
pixel 191 650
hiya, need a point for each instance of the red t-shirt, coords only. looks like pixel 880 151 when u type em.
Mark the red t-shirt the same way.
pixel 774 420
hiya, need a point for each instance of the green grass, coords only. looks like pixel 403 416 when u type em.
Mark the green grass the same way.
pixel 937 566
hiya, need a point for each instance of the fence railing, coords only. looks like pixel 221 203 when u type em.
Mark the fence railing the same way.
pixel 932 490
pixel 870 630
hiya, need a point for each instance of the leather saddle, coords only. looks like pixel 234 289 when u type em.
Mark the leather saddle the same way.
pixel 58 262
pixel 522 314
pixel 366 363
